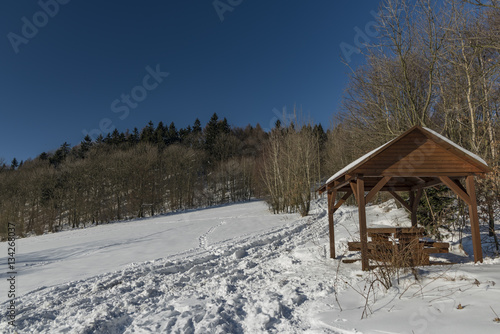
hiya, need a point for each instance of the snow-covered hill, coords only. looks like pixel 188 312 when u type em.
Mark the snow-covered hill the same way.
pixel 238 269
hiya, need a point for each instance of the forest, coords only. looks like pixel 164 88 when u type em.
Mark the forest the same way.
pixel 433 64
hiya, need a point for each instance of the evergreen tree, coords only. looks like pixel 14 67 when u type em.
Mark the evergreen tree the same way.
pixel 184 134
pixel 122 138
pixel 85 146
pixel 173 135
pixel 134 137
pixel 115 137
pixel 160 136
pixel 321 135
pixel 108 140
pixel 277 125
pixel 223 127
pixel 434 210
pixel 197 126
pixel 60 154
pixel 14 164
pixel 148 133
pixel 211 133
pixel 65 148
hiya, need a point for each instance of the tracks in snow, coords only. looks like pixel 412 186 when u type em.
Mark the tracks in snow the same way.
pixel 259 283
pixel 203 239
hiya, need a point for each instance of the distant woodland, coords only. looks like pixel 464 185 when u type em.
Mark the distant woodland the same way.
pixel 428 63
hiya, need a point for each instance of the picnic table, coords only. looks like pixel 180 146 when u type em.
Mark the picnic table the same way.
pixel 400 245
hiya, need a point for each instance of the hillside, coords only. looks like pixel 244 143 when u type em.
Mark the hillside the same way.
pixel 239 269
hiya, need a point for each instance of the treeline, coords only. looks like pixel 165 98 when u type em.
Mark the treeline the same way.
pixel 124 175
pixel 430 63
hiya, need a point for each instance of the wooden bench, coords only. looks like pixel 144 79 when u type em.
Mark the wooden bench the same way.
pixel 387 241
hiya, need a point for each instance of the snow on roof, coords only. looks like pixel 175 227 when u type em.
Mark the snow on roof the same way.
pixel 364 157
pixel 472 155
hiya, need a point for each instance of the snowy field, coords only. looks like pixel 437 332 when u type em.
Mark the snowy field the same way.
pixel 239 269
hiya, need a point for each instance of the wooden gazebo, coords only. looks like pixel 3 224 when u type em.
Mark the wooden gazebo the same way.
pixel 417 159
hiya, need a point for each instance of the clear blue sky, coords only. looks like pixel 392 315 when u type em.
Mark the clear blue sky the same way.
pixel 74 70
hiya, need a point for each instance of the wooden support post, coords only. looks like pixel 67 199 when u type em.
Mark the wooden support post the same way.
pixel 414 201
pixel 331 201
pixel 363 235
pixel 413 213
pixel 474 219
pixel 353 188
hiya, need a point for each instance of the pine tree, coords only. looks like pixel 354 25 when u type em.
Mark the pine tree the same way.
pixel 61 154
pixel 115 137
pixel 14 164
pixel 223 127
pixel 108 140
pixel 173 135
pixel 184 134
pixel 160 135
pixel 100 139
pixel 148 133
pixel 277 125
pixel 65 148
pixel 211 133
pixel 197 126
pixel 134 137
pixel 85 146
pixel 320 134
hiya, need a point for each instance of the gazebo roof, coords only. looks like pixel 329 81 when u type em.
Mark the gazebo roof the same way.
pixel 415 159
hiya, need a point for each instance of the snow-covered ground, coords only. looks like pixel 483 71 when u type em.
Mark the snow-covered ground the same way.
pixel 239 269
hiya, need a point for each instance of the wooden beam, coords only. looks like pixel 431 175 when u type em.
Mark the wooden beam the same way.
pixel 474 219
pixel 331 202
pixel 376 188
pixel 396 188
pixel 427 184
pixel 339 184
pixel 363 235
pixel 456 189
pixel 335 184
pixel 400 200
pixel 457 182
pixel 342 200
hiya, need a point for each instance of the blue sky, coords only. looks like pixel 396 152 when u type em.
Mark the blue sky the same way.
pixel 86 66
